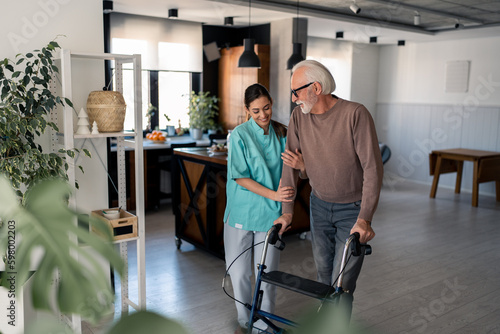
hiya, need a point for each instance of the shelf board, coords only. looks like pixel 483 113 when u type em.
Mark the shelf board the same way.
pixel 103 56
pixel 125 240
pixel 105 135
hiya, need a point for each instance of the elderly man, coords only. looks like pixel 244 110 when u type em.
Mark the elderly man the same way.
pixel 338 144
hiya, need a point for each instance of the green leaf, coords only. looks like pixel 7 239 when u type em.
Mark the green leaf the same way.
pixel 68 102
pixel 37 80
pixel 47 324
pixel 46 223
pixel 29 55
pixel 54 126
pixel 146 322
pixel 9 200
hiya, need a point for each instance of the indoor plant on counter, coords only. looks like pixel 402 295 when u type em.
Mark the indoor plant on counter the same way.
pixel 202 112
pixel 170 126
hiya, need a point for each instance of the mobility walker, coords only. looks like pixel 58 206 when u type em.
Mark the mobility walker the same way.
pixel 333 294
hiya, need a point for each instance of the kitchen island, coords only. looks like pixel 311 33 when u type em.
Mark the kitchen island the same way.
pixel 199 199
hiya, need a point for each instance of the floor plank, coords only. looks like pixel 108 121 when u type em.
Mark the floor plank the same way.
pixel 434 269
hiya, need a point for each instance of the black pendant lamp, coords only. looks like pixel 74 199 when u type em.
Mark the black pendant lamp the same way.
pixel 296 56
pixel 249 58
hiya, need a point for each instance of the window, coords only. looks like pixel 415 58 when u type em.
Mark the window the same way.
pixel 174 56
pixel 173 96
pixel 171 54
pixel 128 95
pixel 173 87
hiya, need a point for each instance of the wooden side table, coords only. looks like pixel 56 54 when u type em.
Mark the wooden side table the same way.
pixel 486 168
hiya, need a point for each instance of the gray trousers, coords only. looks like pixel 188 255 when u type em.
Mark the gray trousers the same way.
pixel 241 272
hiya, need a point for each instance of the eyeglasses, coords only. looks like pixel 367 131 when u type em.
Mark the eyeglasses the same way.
pixel 294 91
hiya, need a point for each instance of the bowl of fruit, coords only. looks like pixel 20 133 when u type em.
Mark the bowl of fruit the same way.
pixel 217 149
pixel 156 136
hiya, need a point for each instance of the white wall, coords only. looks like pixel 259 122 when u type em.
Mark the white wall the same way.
pixel 30 25
pixel 279 77
pixel 365 60
pixel 415 73
pixel 337 56
pixel 282 37
pixel 354 67
pixel 415 115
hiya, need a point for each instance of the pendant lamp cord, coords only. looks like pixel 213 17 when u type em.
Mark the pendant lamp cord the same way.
pixel 297 24
pixel 249 16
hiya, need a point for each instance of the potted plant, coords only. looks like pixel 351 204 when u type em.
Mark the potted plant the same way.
pixel 170 126
pixel 202 112
pixel 26 101
pixel 149 114
pixel 214 127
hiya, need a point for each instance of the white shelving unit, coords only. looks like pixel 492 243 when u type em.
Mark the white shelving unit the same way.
pixel 69 142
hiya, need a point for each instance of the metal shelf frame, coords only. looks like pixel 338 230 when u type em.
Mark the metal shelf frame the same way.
pixel 66 57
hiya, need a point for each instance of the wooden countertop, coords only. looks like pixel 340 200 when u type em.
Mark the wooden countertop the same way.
pixel 201 153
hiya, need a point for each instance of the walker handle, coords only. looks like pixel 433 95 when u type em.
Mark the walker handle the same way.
pixel 355 245
pixel 357 248
pixel 274 235
pixel 352 244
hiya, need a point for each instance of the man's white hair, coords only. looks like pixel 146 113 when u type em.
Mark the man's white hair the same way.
pixel 315 71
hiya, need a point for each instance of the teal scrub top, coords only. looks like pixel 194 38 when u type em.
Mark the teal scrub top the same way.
pixel 252 154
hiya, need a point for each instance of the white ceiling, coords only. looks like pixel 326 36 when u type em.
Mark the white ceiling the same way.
pixel 389 21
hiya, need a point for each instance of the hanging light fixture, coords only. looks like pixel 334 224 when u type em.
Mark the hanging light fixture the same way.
pixel 249 58
pixel 459 25
pixel 296 56
pixel 355 8
pixel 416 19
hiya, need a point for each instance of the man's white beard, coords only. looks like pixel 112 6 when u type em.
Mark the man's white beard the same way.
pixel 306 109
pixel 306 106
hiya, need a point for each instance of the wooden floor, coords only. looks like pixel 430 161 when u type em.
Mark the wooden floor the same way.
pixel 435 268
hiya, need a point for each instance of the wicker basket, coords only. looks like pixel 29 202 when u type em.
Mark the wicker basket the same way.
pixel 107 109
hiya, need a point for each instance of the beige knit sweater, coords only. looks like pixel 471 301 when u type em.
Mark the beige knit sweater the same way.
pixel 341 154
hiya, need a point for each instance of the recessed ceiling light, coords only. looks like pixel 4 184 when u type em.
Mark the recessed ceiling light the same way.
pixel 173 13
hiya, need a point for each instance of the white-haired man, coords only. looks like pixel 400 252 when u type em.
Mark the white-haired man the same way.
pixel 339 147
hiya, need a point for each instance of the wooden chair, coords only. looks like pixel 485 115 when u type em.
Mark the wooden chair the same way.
pixel 385 151
pixel 216 136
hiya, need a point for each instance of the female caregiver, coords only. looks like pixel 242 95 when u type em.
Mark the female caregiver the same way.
pixel 254 197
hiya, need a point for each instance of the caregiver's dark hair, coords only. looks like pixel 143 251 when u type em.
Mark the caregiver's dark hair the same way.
pixel 255 91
